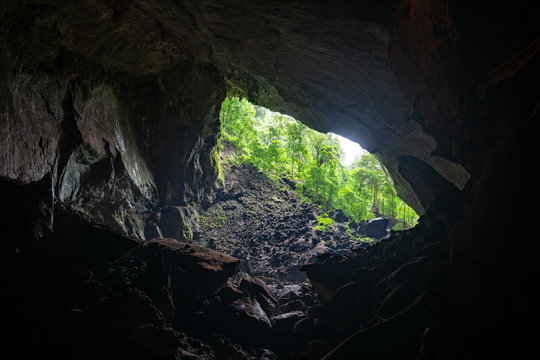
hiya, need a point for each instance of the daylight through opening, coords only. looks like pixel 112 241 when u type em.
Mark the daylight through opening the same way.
pixel 292 193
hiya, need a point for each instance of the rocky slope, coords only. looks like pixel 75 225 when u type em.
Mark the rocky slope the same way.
pixel 110 108
pixel 265 224
pixel 104 295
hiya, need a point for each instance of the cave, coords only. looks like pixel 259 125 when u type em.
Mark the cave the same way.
pixel 109 114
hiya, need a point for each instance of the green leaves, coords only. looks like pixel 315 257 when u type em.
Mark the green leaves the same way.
pixel 214 217
pixel 281 146
pixel 324 223
pixel 237 121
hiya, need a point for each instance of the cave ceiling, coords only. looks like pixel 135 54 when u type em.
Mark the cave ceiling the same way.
pixel 326 65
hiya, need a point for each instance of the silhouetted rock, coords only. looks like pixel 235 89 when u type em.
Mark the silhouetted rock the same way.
pixel 284 323
pixel 245 320
pixel 260 291
pixel 199 269
pixel 374 228
pixel 109 111
pixel 339 216
pixel 156 282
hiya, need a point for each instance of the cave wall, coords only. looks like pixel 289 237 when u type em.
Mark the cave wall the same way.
pixel 119 131
pixel 155 76
pixel 112 109
pixel 470 71
pixel 185 56
pixel 113 148
pixel 335 76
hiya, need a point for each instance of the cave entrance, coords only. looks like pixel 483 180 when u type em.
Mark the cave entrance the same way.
pixel 291 193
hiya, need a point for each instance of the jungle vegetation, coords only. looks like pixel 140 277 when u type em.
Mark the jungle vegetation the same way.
pixel 284 148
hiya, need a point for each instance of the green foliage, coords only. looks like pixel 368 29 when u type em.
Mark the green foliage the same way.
pixel 214 217
pixel 398 226
pixel 283 147
pixel 356 238
pixel 324 222
pixel 187 233
pixel 214 159
pixel 366 239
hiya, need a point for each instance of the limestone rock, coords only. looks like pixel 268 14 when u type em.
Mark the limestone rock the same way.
pixel 374 228
pixel 203 269
pixel 111 109
pixel 283 324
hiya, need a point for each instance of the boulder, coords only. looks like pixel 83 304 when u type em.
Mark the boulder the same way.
pixel 83 243
pixel 339 216
pixel 203 269
pixel 283 324
pixel 376 228
pixel 260 291
pixel 156 282
pixel 178 222
pixel 245 320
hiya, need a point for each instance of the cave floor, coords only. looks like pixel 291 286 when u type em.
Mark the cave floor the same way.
pixel 266 225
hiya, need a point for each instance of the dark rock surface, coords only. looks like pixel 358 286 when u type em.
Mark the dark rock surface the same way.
pixel 109 112
pixel 140 59
pixel 374 228
pixel 207 268
pixel 167 299
pixel 265 225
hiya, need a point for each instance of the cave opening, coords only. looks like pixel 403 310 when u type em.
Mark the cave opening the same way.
pixel 287 196
pixel 110 179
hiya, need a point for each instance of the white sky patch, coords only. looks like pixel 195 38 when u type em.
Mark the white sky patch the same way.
pixel 350 149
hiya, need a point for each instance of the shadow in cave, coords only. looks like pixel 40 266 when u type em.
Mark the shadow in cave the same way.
pixel 114 293
pixel 108 118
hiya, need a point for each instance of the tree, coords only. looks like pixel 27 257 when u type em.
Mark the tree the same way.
pixel 278 145
pixel 237 121
pixel 297 151
pixel 322 180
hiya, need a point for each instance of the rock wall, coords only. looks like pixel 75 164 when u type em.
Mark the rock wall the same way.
pixel 116 143
pixel 111 109
pixel 79 133
pixel 314 61
pixel 470 71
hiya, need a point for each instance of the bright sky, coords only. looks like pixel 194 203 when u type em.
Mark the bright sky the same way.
pixel 350 149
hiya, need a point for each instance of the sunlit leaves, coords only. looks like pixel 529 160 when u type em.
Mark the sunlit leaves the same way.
pixel 282 147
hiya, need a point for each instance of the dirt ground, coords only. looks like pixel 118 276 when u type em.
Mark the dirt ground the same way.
pixel 266 225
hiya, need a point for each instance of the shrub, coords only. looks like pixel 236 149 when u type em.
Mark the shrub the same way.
pixel 213 218
pixel 324 223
